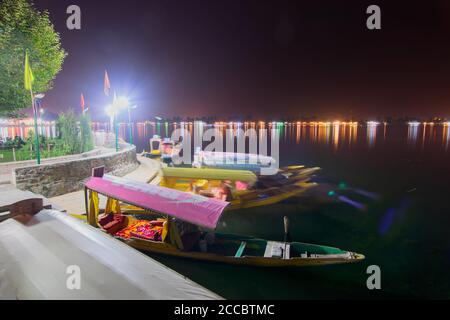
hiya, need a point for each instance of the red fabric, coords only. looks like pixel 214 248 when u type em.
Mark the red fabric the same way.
pixel 104 219
pixel 118 223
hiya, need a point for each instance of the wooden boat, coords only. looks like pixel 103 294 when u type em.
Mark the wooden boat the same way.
pixel 232 160
pixel 243 189
pixel 155 147
pixel 167 148
pixel 126 198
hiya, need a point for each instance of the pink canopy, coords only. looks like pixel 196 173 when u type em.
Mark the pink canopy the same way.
pixel 188 207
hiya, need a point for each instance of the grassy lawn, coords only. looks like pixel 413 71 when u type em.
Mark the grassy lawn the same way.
pixel 6 156
pixel 25 154
pixel 21 155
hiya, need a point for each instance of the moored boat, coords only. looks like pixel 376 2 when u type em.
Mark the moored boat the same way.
pixel 243 189
pixel 232 160
pixel 155 147
pixel 182 224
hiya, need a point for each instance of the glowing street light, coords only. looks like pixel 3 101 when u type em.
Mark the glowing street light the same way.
pixel 130 131
pixel 112 110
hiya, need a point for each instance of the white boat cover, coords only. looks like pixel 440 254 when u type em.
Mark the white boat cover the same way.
pixel 35 257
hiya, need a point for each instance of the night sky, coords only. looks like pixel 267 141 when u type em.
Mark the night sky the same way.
pixel 268 59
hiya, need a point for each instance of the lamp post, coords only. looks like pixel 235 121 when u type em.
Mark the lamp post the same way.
pixel 112 110
pixel 35 111
pixel 41 112
pixel 130 129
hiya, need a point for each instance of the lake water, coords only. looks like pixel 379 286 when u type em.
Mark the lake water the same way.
pixel 398 177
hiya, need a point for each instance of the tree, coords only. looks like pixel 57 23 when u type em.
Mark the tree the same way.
pixel 23 27
pixel 67 124
pixel 87 141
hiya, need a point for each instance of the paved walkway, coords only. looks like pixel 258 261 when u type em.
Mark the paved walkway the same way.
pixel 73 202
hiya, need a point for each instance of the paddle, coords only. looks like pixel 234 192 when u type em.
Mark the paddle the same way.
pixel 286 228
pixel 286 233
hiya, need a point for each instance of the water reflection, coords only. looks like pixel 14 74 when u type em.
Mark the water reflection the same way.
pixel 446 136
pixel 371 134
pixel 338 136
pixel 413 134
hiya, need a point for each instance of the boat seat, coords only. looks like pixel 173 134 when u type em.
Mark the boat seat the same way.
pixel 279 250
pixel 240 250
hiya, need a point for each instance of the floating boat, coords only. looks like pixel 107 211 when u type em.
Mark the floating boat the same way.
pixel 167 149
pixel 155 147
pixel 170 233
pixel 231 160
pixel 243 189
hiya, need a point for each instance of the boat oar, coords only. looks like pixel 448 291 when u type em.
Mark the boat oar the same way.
pixel 286 229
pixel 286 234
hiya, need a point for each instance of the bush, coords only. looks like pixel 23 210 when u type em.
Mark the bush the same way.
pixel 69 131
pixel 87 141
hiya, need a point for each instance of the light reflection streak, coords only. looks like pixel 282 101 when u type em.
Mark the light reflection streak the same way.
pixel 413 133
pixel 371 134
pixel 446 136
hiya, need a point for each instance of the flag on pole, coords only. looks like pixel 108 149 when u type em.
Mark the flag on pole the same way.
pixel 82 103
pixel 106 84
pixel 28 75
pixel 28 84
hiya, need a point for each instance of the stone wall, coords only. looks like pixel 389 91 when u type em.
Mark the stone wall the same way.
pixel 8 167
pixel 67 176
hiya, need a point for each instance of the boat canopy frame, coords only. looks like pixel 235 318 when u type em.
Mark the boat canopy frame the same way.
pixel 192 208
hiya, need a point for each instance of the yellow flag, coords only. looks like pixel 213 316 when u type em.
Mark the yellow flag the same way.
pixel 28 77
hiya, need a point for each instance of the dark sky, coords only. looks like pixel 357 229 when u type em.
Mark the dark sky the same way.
pixel 268 59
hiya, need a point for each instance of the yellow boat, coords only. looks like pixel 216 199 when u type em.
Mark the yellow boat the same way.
pixel 243 189
pixel 171 236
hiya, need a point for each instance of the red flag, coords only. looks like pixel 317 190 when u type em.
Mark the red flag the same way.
pixel 106 84
pixel 82 103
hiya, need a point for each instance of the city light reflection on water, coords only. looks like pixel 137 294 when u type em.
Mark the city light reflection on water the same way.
pixel 337 136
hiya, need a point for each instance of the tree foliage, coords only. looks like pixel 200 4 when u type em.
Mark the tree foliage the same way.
pixel 69 131
pixel 23 27
pixel 75 132
pixel 87 140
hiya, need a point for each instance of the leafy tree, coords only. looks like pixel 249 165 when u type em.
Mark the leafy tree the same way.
pixel 23 27
pixel 68 128
pixel 87 141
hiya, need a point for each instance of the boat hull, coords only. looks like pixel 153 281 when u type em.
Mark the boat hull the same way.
pixel 169 250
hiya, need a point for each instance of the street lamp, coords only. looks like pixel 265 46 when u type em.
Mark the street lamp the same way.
pixel 41 112
pixel 130 130
pixel 36 98
pixel 112 110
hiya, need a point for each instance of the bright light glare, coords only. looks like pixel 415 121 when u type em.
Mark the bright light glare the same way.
pixel 414 123
pixel 372 123
pixel 109 110
pixel 121 103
